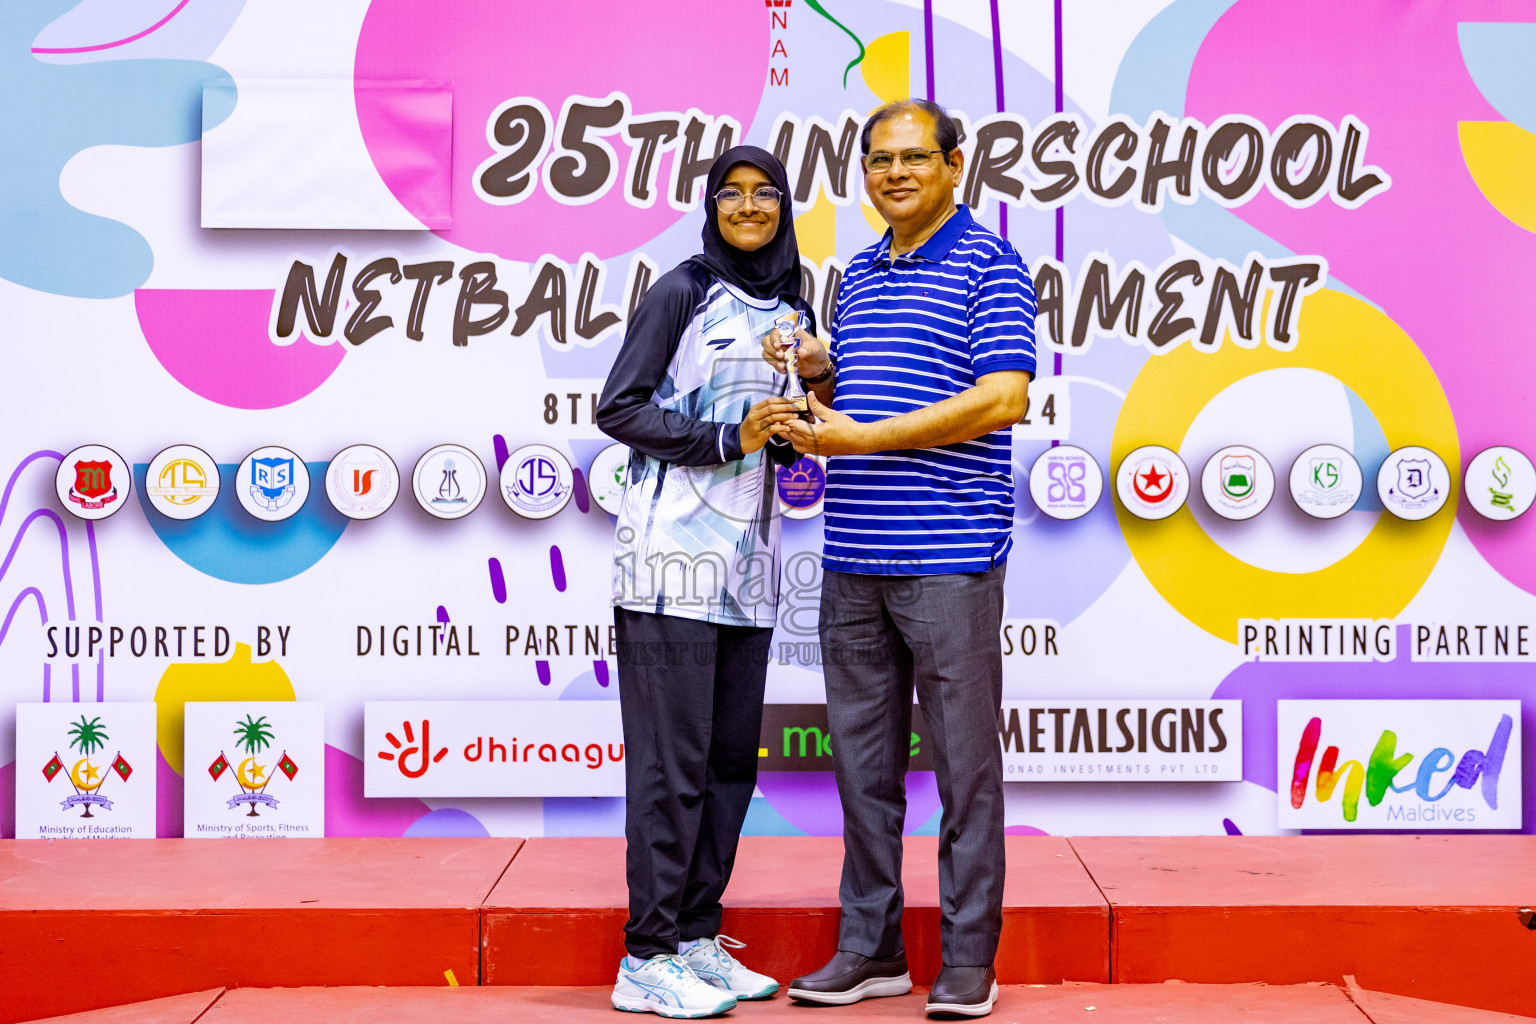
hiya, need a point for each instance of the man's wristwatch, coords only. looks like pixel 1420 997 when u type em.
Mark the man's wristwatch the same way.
pixel 819 378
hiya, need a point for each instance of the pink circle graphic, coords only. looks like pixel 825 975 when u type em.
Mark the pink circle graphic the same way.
pixel 701 53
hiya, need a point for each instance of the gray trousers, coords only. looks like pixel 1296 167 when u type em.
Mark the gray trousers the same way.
pixel 880 637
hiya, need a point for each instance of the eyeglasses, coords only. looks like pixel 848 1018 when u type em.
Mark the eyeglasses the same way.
pixel 730 199
pixel 911 159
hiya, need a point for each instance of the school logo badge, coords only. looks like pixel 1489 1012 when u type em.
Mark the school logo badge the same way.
pixel 1237 483
pixel 1500 483
pixel 605 477
pixel 362 481
pixel 272 483
pixel 92 481
pixel 182 482
pixel 1153 482
pixel 1413 483
pixel 802 486
pixel 537 481
pixel 1066 482
pixel 449 481
pixel 1326 481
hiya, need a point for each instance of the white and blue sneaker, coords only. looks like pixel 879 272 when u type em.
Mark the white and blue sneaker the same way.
pixel 667 986
pixel 711 960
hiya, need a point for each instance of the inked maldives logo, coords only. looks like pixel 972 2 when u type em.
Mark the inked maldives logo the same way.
pixel 1429 778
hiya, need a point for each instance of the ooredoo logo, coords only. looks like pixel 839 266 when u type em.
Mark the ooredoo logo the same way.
pixel 402 759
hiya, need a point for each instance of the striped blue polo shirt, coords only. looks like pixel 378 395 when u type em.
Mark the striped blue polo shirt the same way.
pixel 907 333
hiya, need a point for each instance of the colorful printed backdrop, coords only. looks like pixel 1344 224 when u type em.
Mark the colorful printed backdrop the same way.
pixel 1336 196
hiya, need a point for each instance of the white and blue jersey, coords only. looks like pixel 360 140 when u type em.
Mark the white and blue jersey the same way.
pixel 910 332
pixel 698 529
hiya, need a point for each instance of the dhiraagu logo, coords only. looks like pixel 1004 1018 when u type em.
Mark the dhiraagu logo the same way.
pixel 1415 765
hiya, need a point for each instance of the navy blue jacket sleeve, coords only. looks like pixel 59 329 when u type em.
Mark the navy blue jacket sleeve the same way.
pixel 626 413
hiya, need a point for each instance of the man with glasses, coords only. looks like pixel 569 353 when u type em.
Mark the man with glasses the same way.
pixel 933 351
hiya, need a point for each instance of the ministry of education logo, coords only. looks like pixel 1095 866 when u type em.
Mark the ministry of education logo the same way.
pixel 1326 481
pixel 449 481
pixel 605 477
pixel 362 481
pixel 537 481
pixel 1152 482
pixel 1413 483
pixel 182 482
pixel 272 483
pixel 1066 482
pixel 801 486
pixel 1500 483
pixel 93 481
pixel 89 773
pixel 1237 482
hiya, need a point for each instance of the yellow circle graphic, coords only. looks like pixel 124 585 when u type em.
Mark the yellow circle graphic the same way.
pixel 1364 349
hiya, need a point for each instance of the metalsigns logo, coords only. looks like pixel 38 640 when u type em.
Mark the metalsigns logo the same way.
pixel 493 748
pixel 272 483
pixel 182 482
pixel 1413 483
pixel 1420 764
pixel 1122 740
pixel 1237 483
pixel 537 481
pixel 449 481
pixel 1066 482
pixel 362 481
pixel 1501 483
pixel 92 481
pixel 1326 481
pixel 1152 482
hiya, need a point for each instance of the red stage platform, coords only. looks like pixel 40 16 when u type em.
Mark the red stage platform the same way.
pixel 1426 916
pixel 557 915
pixel 1055 1004
pixel 85 925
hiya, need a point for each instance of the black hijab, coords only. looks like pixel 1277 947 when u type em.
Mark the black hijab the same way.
pixel 772 271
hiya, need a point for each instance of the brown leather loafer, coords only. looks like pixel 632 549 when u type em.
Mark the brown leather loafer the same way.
pixel 963 992
pixel 849 977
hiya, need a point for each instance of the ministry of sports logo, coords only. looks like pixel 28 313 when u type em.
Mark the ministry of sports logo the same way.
pixel 92 481
pixel 254 735
pixel 1325 481
pixel 272 483
pixel 537 481
pixel 182 482
pixel 1413 483
pixel 1152 482
pixel 449 481
pixel 1501 483
pixel 362 481
pixel 1066 482
pixel 1237 483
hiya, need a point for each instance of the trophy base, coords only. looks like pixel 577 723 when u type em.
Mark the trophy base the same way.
pixel 802 407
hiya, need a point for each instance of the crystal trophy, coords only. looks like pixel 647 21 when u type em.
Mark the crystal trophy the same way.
pixel 786 325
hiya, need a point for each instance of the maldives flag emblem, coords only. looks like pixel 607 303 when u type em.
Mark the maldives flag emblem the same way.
pixel 52 768
pixel 287 766
pixel 219 767
pixel 122 768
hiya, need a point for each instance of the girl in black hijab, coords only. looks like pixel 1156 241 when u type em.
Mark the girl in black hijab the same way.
pixel 696 578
